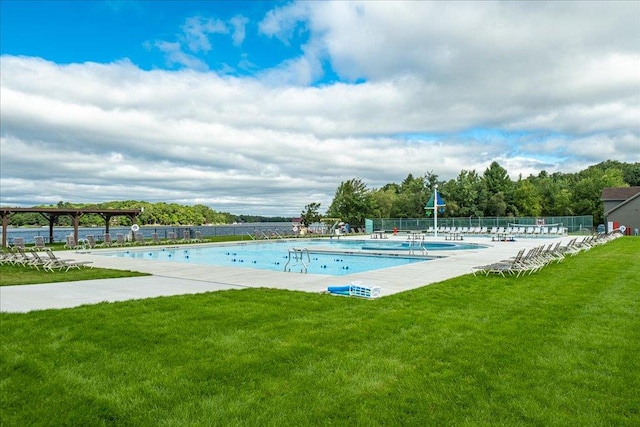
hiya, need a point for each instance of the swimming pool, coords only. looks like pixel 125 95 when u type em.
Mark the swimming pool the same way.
pixel 400 245
pixel 321 256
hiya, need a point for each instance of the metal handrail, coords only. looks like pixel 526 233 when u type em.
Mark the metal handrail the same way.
pixel 298 258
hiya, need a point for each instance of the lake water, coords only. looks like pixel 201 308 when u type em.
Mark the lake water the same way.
pixel 60 233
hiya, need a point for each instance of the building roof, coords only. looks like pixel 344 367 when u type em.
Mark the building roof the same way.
pixel 619 193
pixel 623 202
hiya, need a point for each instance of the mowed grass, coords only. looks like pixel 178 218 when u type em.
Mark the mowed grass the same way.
pixel 560 347
pixel 19 275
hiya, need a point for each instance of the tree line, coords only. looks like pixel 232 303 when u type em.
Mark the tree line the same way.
pixel 491 193
pixel 153 214
pixel 470 194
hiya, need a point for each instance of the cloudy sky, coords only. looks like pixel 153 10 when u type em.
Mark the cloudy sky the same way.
pixel 263 107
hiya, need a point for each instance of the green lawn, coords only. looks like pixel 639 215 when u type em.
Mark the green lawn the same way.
pixel 19 275
pixel 559 347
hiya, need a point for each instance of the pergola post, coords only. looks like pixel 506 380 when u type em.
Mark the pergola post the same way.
pixel 76 223
pixel 52 220
pixel 5 225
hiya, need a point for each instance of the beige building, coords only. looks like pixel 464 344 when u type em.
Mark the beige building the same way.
pixel 622 208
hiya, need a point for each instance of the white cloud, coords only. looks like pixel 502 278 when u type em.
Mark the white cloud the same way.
pixel 175 55
pixel 196 31
pixel 282 22
pixel 195 40
pixel 238 23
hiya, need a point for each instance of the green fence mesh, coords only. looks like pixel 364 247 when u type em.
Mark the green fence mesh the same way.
pixel 571 223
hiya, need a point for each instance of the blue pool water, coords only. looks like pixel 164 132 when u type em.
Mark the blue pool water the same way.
pixel 323 256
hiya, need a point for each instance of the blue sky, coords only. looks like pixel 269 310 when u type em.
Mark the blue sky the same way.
pixel 103 32
pixel 263 107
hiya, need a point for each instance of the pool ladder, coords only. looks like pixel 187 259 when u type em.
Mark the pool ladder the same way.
pixel 297 256
pixel 417 244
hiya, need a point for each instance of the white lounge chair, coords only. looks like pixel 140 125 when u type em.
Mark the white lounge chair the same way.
pixel 71 243
pixel 120 241
pixel 139 237
pixel 38 243
pixel 66 264
pixel 155 239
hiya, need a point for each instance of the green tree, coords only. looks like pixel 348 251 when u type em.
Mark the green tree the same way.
pixel 496 205
pixel 311 213
pixel 588 190
pixel 412 196
pixel 463 194
pixel 497 191
pixel 526 198
pixel 352 202
pixel 383 201
pixel 555 193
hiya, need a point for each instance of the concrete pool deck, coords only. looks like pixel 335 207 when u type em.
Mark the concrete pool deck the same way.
pixel 174 278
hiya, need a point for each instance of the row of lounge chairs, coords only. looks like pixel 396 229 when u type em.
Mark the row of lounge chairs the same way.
pixel 138 239
pixel 90 241
pixel 45 259
pixel 520 230
pixel 539 257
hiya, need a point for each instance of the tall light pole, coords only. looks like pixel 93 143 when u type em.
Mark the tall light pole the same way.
pixel 435 205
pixel 435 210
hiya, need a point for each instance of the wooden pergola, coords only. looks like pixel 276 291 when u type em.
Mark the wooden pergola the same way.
pixel 52 215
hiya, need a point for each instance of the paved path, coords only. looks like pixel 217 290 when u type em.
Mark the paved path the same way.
pixel 171 278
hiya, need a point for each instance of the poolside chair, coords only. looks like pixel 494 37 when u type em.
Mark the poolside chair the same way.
pixel 119 240
pixel 21 257
pixel 91 241
pixel 66 264
pixel 155 239
pixel 71 243
pixel 553 253
pixel 501 267
pixel 171 237
pixel 18 242
pixel 186 236
pixel 37 262
pixel 569 248
pixel 7 256
pixel 139 238
pixel 38 243
pixel 533 261
pixel 31 259
pixel 106 240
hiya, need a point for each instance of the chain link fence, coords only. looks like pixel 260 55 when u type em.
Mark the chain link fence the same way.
pixel 571 223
